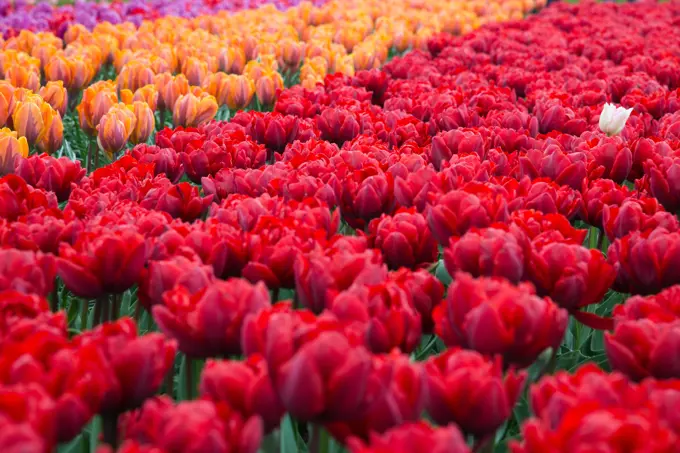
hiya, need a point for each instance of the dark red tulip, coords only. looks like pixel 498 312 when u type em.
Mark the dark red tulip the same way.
pixel 244 386
pixel 574 277
pixel 618 221
pixel 162 276
pixel 322 378
pixel 457 141
pixel 208 323
pixel 426 292
pixel 416 437
pixel 166 161
pixel 470 390
pixel 384 313
pixel 102 262
pixel 404 239
pixel 490 252
pixel 645 262
pixel 181 201
pixel 18 198
pixel 40 231
pixel 396 397
pixel 337 125
pixel 320 276
pixel 663 181
pixel 364 196
pixel 192 427
pixel 474 316
pixel 27 272
pixel 138 364
pixel 51 174
pixel 543 229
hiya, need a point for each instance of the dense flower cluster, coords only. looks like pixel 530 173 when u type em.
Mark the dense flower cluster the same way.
pixel 378 245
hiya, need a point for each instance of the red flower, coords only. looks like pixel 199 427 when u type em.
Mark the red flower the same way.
pixel 365 195
pixel 465 388
pixel 494 317
pixel 27 272
pixel 337 125
pixel 102 262
pixel 643 348
pixel 166 161
pixel 645 263
pixel 319 277
pixel 244 386
pixel 320 377
pixel 384 313
pixel 192 427
pixel 663 181
pixel 491 252
pixel 426 292
pixel 138 364
pixel 18 198
pixel 51 174
pixel 395 397
pixel 404 239
pixel 630 216
pixel 42 231
pixel 180 201
pixel 208 323
pixel 457 141
pixel 162 276
pixel 416 437
pixel 574 277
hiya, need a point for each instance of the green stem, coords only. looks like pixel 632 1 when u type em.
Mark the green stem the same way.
pixel 55 298
pixel 84 315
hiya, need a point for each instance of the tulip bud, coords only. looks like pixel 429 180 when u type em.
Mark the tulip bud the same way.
pixel 195 70
pixel 11 149
pixel 266 87
pixel 6 101
pixel 28 120
pixel 191 110
pixel 83 72
pixel 58 68
pixel 44 52
pixel 55 94
pixel 147 94
pixel 234 91
pixel 54 133
pixel 146 122
pixel 291 53
pixel 134 75
pixel 232 60
pixel 97 100
pixel 170 89
pixel 115 129
pixel 24 77
pixel 613 119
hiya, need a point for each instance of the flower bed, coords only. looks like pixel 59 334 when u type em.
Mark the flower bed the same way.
pixel 467 250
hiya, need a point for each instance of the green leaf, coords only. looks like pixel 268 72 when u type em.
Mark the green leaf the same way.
pixel 95 430
pixel 442 274
pixel 181 384
pixel 288 436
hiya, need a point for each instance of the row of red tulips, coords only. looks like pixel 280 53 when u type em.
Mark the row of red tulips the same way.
pixel 467 207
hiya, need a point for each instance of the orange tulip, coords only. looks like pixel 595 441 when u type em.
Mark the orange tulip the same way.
pixel 364 58
pixel 55 94
pixel 125 96
pixel 192 111
pixel 232 60
pixel 98 98
pixel 6 101
pixel 23 77
pixel 145 124
pixel 115 129
pixel 44 52
pixel 195 70
pixel 58 68
pixel 267 86
pixel 147 94
pixel 234 91
pixel 11 149
pixel 135 74
pixel 28 120
pixel 53 135
pixel 291 53
pixel 82 73
pixel 74 32
pixel 170 89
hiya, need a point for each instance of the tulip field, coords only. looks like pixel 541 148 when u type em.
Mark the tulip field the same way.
pixel 345 226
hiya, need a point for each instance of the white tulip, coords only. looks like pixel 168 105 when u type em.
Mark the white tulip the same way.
pixel 613 119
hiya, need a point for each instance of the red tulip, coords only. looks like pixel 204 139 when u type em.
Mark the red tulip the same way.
pixel 643 348
pixel 618 221
pixel 102 262
pixel 321 378
pixel 491 252
pixel 51 174
pixel 404 239
pixel 364 196
pixel 162 276
pixel 208 323
pixel 384 313
pixel 244 386
pixel 337 125
pixel 574 277
pixel 470 390
pixel 27 272
pixel 17 198
pixel 166 161
pixel 138 364
pixel 180 201
pixel 474 316
pixel 425 290
pixel 457 141
pixel 413 438
pixel 40 231
pixel 645 262
pixel 319 277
